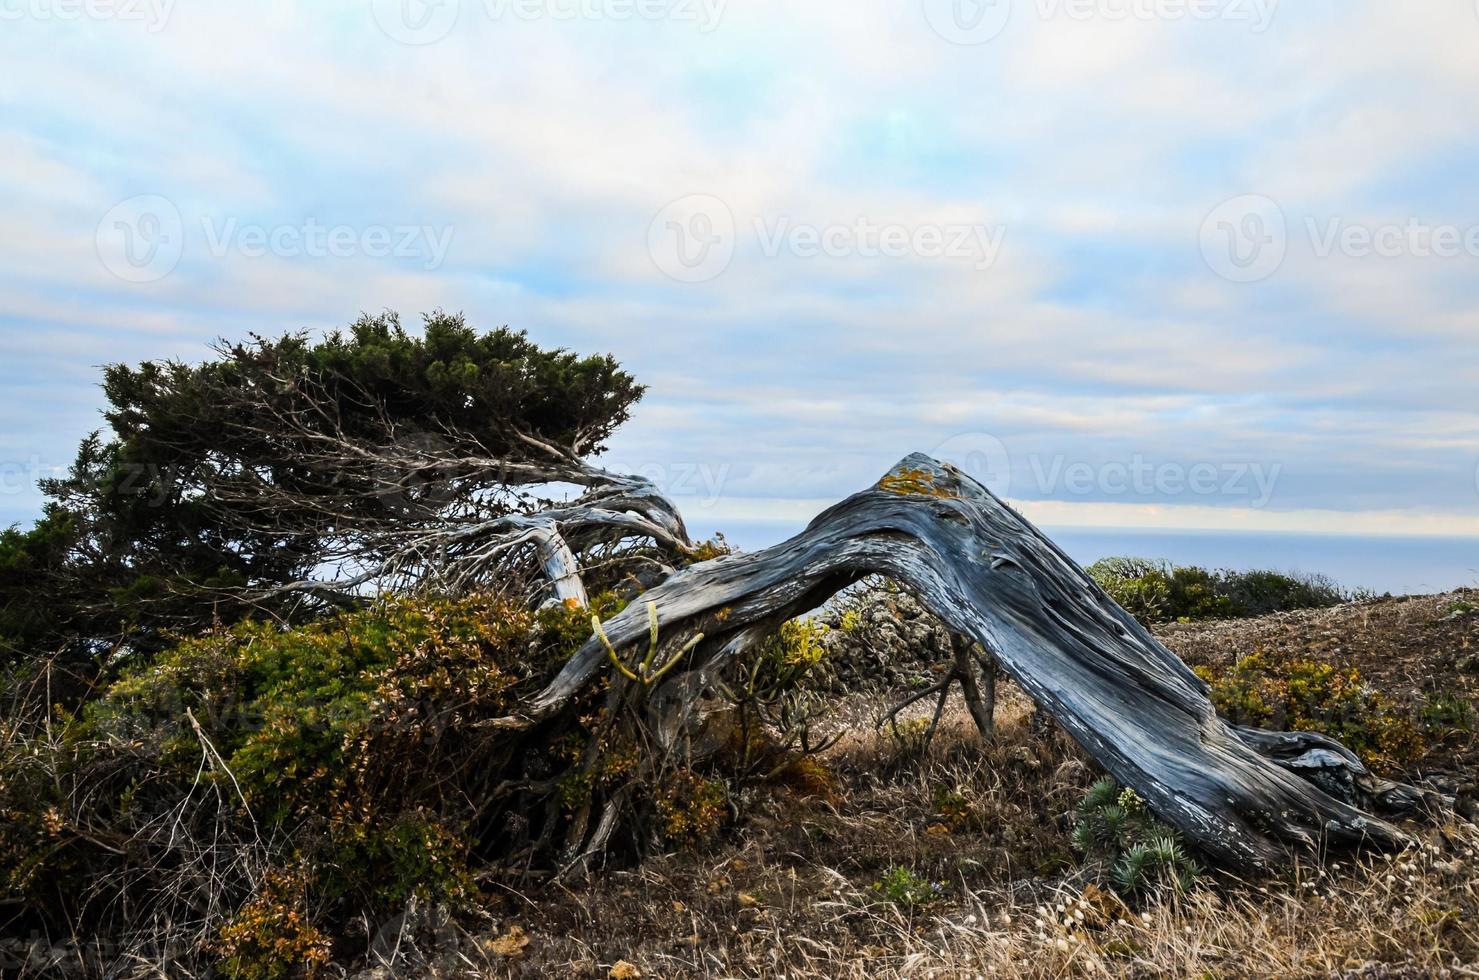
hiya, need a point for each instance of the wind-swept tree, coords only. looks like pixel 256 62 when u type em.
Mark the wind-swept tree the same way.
pixel 289 474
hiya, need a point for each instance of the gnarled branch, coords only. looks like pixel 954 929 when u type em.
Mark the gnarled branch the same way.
pixel 1241 795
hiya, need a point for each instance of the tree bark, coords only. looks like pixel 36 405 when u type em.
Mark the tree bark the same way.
pixel 1247 798
pixel 980 698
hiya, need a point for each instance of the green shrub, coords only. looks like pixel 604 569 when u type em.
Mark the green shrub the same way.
pixel 691 808
pixel 1258 593
pixel 910 738
pixel 1458 609
pixel 271 937
pixel 1143 854
pixel 346 758
pixel 1303 695
pixel 1446 711
pixel 904 888
pixel 1159 592
pixel 774 709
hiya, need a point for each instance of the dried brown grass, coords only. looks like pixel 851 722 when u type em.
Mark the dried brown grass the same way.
pixel 791 894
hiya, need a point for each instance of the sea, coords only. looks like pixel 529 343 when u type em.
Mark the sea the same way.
pixel 1379 564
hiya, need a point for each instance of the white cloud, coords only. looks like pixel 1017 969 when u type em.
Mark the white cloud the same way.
pixel 549 147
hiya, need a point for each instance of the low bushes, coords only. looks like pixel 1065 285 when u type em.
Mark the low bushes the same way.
pixel 253 790
pixel 1159 592
pixel 261 798
pixel 1264 691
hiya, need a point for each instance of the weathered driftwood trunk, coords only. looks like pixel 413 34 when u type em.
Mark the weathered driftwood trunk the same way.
pixel 1246 797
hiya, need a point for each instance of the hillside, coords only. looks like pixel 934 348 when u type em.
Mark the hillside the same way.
pixel 960 863
pixel 882 856
pixel 1422 652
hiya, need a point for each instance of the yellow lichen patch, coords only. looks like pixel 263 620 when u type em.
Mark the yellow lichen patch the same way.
pixel 919 483
pixel 510 944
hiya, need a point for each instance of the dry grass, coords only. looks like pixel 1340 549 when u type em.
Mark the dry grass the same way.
pixel 791 890
pixel 792 893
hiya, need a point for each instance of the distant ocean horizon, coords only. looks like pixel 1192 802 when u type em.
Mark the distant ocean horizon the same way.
pixel 1379 563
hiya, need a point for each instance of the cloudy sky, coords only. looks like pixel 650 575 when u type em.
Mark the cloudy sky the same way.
pixel 1146 263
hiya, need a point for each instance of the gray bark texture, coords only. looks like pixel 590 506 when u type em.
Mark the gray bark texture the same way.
pixel 1247 798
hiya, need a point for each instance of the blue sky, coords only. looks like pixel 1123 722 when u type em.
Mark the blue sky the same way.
pixel 1144 263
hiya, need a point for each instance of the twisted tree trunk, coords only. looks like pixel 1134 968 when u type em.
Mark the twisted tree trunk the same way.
pixel 1246 797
